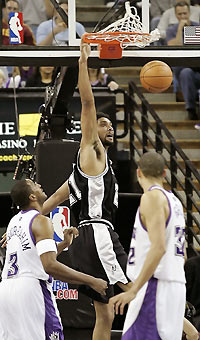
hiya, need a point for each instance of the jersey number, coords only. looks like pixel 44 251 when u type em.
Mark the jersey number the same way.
pixel 131 258
pixel 180 241
pixel 13 267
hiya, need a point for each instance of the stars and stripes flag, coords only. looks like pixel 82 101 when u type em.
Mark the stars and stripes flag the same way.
pixel 192 35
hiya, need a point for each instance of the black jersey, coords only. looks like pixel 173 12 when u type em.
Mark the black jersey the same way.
pixel 93 197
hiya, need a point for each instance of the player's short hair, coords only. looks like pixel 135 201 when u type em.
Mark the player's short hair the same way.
pixel 152 164
pixel 102 115
pixel 20 193
pixel 182 4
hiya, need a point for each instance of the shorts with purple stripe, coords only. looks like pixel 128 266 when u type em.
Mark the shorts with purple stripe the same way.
pixel 53 326
pixel 145 327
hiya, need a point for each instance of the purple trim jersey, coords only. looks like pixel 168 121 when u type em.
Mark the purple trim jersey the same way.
pixel 171 266
pixel 27 304
pixel 157 311
pixel 21 255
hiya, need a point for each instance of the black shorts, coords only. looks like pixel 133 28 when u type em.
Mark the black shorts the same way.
pixel 98 252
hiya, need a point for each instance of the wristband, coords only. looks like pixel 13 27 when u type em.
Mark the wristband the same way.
pixel 44 246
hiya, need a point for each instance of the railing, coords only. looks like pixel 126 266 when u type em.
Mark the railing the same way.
pixel 182 177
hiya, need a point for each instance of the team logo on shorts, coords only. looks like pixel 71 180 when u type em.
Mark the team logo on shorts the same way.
pixel 54 336
pixel 61 220
pixel 16 29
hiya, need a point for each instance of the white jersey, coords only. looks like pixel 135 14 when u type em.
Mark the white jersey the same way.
pixel 22 259
pixel 171 266
pixel 27 304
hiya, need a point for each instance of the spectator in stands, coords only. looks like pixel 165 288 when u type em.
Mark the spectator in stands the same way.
pixel 98 78
pixel 169 18
pixel 25 73
pixel 188 78
pixel 192 273
pixel 5 74
pixel 2 79
pixel 55 31
pixel 13 6
pixel 34 12
pixel 157 9
pixel 43 76
pixel 19 76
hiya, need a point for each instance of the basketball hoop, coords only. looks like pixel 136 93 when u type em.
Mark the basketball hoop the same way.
pixel 128 31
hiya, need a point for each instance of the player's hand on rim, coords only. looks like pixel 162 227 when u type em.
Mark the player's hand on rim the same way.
pixel 85 51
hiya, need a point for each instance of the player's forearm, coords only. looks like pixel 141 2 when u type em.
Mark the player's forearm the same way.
pixel 61 246
pixel 61 195
pixel 84 84
pixel 61 272
pixel 151 262
pixel 51 203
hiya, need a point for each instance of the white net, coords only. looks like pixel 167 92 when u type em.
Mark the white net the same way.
pixel 129 31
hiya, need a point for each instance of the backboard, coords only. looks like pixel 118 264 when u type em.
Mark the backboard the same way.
pixel 73 41
pixel 68 55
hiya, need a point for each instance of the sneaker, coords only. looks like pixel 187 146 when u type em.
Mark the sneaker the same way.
pixel 197 126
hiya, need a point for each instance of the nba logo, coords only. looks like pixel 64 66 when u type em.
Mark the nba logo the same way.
pixel 16 30
pixel 61 220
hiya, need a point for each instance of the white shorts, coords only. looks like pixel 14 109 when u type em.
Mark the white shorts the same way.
pixel 157 312
pixel 28 310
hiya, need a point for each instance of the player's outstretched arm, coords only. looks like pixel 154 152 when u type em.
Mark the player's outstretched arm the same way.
pixel 88 112
pixel 42 230
pixel 61 195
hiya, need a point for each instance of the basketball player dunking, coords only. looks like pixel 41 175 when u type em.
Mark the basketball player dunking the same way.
pixel 93 188
pixel 156 261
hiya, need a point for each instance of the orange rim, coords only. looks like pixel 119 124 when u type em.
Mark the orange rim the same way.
pixel 100 38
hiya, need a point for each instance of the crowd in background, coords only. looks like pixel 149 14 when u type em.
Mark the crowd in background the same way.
pixel 44 26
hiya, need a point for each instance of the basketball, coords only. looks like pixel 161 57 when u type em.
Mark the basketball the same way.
pixel 156 76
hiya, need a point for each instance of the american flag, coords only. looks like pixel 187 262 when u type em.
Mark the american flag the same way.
pixel 192 35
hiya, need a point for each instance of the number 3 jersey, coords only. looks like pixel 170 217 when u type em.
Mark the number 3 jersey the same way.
pixel 171 266
pixel 22 259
